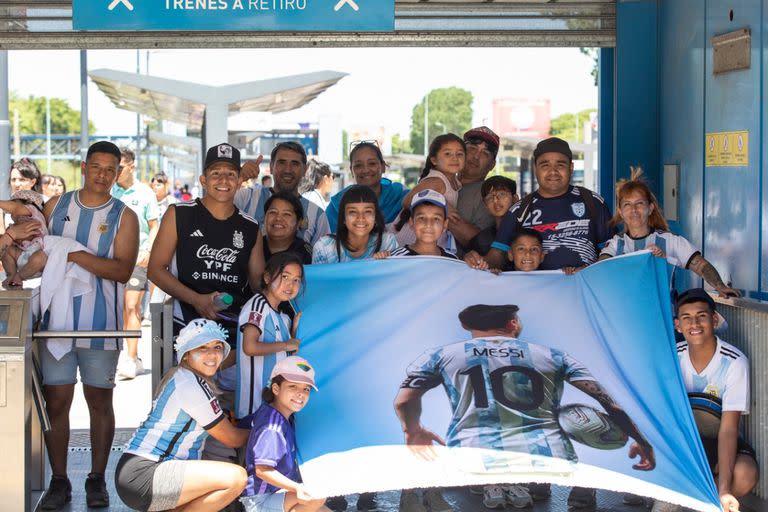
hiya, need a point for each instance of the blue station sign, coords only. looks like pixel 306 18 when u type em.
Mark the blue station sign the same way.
pixel 235 15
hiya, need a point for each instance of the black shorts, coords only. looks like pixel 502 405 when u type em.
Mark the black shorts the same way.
pixel 135 482
pixel 710 447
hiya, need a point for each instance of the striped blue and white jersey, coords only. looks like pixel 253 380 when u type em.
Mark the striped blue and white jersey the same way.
pixel 677 249
pixel 181 414
pixel 95 228
pixel 253 371
pixel 726 377
pixel 139 198
pixel 314 226
pixel 504 393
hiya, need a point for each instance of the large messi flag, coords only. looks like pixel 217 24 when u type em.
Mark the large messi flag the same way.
pixel 589 393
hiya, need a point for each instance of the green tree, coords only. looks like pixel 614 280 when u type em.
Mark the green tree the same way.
pixel 564 126
pixel 64 119
pixel 450 110
pixel 400 145
pixel 593 54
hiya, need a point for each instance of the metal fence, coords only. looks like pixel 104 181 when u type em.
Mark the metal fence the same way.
pixel 748 331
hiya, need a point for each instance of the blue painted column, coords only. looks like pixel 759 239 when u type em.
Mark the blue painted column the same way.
pixel 636 107
pixel 606 124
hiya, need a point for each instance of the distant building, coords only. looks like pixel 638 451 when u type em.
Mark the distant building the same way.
pixel 521 117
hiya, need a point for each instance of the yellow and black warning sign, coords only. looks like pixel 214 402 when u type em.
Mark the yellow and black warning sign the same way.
pixel 727 149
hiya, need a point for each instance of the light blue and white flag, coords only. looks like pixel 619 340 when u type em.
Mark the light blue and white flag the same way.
pixel 599 342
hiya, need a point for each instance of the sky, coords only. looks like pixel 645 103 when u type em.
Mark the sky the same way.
pixel 382 87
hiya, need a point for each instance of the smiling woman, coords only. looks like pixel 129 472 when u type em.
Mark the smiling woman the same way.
pixel 159 471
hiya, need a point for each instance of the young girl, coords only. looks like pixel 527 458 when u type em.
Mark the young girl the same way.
pixel 360 233
pixel 267 329
pixel 25 259
pixel 441 174
pixel 646 228
pixel 270 457
pixel 160 469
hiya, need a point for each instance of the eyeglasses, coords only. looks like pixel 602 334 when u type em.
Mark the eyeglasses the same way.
pixel 499 195
pixel 358 142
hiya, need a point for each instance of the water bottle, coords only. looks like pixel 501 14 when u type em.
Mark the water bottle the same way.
pixel 222 301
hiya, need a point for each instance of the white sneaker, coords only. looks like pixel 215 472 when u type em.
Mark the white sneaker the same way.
pixel 518 496
pixel 129 368
pixel 493 497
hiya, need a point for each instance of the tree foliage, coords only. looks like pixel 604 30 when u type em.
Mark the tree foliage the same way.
pixel 450 110
pixel 564 126
pixel 400 145
pixel 32 112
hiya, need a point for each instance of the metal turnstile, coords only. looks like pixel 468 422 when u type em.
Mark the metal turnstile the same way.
pixel 21 405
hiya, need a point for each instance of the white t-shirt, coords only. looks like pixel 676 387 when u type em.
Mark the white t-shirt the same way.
pixel 726 377
pixel 677 249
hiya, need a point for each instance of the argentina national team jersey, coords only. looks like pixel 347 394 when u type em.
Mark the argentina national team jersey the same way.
pixel 504 393
pixel 95 228
pixel 253 371
pixel 252 200
pixel 177 425
pixel 726 377
pixel 677 250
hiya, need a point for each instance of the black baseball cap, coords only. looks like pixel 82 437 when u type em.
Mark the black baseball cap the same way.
pixel 552 145
pixel 223 153
pixel 694 295
pixel 483 317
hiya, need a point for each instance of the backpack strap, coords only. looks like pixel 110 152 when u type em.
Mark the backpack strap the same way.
pixel 589 203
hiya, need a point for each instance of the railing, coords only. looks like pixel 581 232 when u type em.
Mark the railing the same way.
pixel 162 339
pixel 748 331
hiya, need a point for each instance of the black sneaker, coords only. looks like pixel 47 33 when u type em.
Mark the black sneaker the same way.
pixel 336 503
pixel 367 501
pixel 59 493
pixel 581 498
pixel 96 495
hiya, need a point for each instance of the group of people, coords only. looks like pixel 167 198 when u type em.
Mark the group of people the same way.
pixel 234 259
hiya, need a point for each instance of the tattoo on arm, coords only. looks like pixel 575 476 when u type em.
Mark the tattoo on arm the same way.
pixel 705 269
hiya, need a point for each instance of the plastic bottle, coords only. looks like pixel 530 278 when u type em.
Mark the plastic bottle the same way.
pixel 222 301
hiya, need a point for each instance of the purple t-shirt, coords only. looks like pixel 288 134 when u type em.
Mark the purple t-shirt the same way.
pixel 272 443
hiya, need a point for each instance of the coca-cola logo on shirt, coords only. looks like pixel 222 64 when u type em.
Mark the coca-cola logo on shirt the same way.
pixel 217 258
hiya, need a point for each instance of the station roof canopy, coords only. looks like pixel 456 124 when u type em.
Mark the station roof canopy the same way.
pixel 30 24
pixel 185 102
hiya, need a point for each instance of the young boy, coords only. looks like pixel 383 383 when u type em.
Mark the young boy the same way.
pixel 499 193
pixel 526 250
pixel 713 367
pixel 429 220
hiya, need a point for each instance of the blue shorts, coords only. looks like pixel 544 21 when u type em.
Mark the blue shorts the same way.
pixel 264 502
pixel 97 367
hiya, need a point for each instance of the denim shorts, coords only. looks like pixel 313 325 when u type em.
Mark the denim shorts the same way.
pixel 264 502
pixel 97 367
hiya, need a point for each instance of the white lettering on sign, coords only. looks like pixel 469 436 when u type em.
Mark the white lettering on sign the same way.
pixel 220 5
pixel 350 3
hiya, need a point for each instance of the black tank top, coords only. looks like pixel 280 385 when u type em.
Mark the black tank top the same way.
pixel 212 256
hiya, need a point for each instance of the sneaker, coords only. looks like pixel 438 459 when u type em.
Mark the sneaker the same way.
pixel 367 501
pixel 410 502
pixel 539 492
pixel 435 502
pixel 96 495
pixel 633 500
pixel 129 368
pixel 663 506
pixel 59 493
pixel 493 497
pixel 581 498
pixel 336 503
pixel 517 496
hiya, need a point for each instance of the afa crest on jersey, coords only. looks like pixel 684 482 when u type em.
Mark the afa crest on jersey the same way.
pixel 237 240
pixel 578 209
